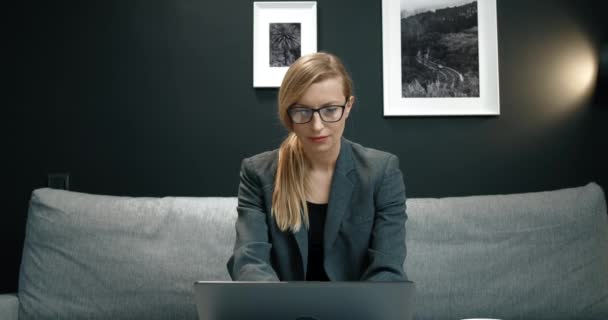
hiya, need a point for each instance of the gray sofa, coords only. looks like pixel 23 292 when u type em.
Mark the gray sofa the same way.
pixel 537 255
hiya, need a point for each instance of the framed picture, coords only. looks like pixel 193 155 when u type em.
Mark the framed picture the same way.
pixel 440 58
pixel 282 32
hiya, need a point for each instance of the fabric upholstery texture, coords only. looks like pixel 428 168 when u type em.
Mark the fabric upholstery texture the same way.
pixel 105 257
pixel 522 256
pixel 9 307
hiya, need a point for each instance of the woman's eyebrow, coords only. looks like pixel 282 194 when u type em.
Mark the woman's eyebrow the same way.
pixel 330 103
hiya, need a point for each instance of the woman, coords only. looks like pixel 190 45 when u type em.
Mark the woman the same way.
pixel 320 207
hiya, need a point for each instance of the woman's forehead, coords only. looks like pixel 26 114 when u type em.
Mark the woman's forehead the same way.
pixel 324 92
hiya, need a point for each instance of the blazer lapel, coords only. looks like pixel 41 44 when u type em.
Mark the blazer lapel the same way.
pixel 302 241
pixel 301 236
pixel 339 195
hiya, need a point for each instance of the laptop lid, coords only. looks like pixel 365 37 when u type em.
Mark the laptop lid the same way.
pixel 226 300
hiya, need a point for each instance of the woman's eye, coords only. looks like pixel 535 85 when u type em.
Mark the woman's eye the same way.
pixel 330 110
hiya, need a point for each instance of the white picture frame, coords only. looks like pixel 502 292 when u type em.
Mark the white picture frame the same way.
pixel 484 102
pixel 298 19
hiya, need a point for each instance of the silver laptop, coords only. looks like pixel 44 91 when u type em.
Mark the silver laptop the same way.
pixel 226 300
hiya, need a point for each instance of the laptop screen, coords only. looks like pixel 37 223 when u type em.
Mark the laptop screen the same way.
pixel 217 300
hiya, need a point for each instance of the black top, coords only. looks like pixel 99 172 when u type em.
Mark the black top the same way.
pixel 316 218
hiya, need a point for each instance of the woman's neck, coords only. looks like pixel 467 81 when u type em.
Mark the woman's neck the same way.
pixel 324 162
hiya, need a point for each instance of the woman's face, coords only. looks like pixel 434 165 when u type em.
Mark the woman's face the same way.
pixel 317 136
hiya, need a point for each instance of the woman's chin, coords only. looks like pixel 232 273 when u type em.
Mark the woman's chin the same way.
pixel 319 148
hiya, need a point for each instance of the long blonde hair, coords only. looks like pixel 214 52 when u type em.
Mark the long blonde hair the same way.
pixel 290 184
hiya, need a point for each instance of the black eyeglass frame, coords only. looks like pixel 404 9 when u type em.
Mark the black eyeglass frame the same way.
pixel 295 106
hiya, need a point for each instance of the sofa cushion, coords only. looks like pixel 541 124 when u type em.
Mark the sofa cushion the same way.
pixel 9 306
pixel 106 257
pixel 522 256
pixel 537 255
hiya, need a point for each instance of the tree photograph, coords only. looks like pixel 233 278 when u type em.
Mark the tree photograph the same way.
pixel 285 43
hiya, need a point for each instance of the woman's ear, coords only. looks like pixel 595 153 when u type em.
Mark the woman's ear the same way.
pixel 349 105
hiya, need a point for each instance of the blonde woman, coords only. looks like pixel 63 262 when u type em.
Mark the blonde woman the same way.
pixel 320 207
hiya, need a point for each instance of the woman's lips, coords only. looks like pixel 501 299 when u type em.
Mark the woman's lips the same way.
pixel 318 139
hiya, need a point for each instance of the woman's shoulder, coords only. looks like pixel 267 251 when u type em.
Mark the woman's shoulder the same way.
pixel 263 157
pixel 373 165
pixel 262 164
pixel 371 155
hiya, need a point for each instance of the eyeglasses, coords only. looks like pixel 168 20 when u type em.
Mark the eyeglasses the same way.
pixel 301 114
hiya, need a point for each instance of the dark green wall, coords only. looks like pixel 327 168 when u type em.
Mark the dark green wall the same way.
pixel 153 98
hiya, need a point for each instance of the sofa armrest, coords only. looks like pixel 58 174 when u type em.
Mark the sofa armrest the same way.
pixel 9 306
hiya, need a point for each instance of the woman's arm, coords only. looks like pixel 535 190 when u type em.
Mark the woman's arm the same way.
pixel 387 244
pixel 250 260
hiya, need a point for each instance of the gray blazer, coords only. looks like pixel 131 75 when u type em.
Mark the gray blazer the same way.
pixel 364 236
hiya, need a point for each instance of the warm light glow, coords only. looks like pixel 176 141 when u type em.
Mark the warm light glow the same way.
pixel 571 67
pixel 578 66
pixel 558 73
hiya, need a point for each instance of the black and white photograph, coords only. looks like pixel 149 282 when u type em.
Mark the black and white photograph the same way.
pixel 282 32
pixel 285 43
pixel 439 49
pixel 440 58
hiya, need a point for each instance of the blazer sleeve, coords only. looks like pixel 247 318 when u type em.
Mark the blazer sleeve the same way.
pixel 387 248
pixel 250 260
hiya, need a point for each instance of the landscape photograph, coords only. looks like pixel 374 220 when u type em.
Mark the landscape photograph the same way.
pixel 439 49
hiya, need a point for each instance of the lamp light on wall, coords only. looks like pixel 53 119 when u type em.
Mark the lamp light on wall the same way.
pixel 578 69
pixel 569 70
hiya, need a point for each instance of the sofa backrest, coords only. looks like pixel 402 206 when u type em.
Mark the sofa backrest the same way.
pixel 538 255
pixel 93 256
pixel 541 255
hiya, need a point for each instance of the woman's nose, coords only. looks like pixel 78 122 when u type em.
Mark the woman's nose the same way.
pixel 316 122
